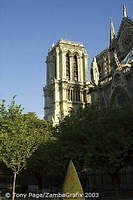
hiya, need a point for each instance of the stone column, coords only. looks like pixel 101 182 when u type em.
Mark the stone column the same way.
pixel 48 72
pixel 64 99
pixel 63 63
pixel 85 67
pixel 57 64
pixel 81 95
pixel 57 96
pixel 81 68
pixel 56 102
pixel 64 94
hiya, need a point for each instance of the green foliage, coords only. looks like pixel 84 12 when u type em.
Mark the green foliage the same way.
pixel 47 162
pixel 98 138
pixel 72 183
pixel 10 111
pixel 20 135
pixel 112 140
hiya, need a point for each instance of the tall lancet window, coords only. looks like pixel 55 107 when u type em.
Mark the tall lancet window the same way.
pixel 68 66
pixel 75 66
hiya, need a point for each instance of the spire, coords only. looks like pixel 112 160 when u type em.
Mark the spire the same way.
pixel 124 11
pixel 94 60
pixel 112 31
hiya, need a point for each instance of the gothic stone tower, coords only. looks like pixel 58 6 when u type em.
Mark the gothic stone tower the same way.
pixel 67 75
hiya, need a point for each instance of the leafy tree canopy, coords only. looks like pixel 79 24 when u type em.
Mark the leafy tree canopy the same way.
pixel 98 138
pixel 20 135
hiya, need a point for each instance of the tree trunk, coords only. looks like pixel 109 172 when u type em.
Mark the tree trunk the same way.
pixel 14 185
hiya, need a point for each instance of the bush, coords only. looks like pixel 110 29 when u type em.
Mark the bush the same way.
pixel 72 185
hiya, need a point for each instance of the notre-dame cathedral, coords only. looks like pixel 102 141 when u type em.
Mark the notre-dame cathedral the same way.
pixel 67 84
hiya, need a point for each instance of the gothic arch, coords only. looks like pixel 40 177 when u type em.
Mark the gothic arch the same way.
pixel 76 53
pixel 68 52
pixel 119 96
pixel 68 66
pixel 75 67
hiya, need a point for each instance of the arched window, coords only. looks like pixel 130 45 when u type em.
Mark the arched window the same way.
pixel 119 97
pixel 70 95
pixel 67 66
pixel 75 66
pixel 77 94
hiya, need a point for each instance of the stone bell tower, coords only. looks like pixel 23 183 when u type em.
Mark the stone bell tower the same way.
pixel 67 76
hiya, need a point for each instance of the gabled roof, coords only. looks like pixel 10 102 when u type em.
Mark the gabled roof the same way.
pixel 102 52
pixel 124 20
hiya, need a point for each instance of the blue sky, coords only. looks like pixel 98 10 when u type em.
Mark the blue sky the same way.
pixel 29 27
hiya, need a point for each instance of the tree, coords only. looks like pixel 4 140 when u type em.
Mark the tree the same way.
pixel 99 138
pixel 43 162
pixel 111 143
pixel 72 183
pixel 20 136
pixel 73 134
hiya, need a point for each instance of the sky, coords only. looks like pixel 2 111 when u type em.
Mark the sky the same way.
pixel 28 28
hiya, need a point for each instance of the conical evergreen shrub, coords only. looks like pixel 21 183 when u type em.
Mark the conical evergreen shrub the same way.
pixel 72 184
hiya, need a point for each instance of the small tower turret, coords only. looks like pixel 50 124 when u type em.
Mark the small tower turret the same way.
pixel 124 11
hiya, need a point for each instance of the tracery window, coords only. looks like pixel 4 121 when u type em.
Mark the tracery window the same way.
pixel 75 66
pixel 73 94
pixel 68 66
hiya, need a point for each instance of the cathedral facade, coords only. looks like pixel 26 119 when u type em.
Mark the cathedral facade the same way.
pixel 67 84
